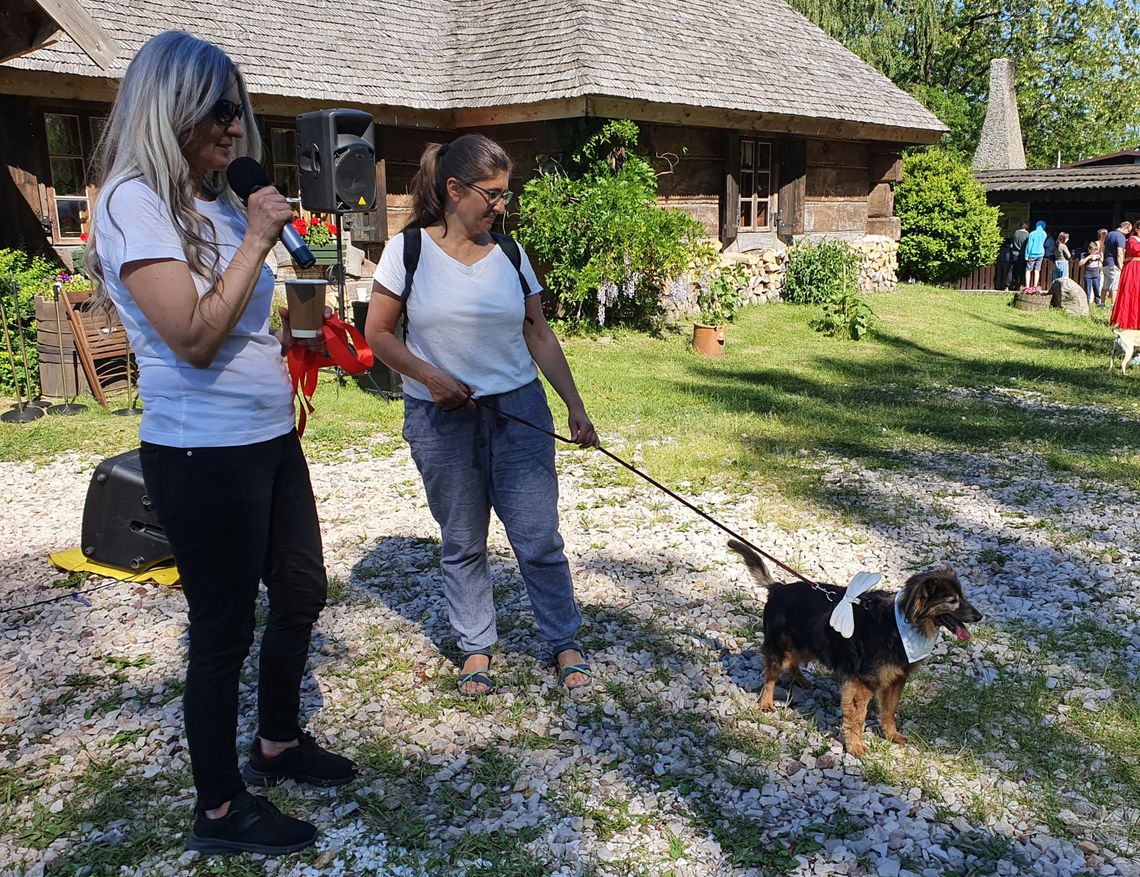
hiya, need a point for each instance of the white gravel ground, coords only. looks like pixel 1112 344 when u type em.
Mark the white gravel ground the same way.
pixel 666 765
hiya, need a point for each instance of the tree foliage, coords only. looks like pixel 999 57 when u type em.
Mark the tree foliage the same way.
pixel 948 230
pixel 613 252
pixel 1075 90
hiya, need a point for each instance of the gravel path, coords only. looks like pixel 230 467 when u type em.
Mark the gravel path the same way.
pixel 1022 756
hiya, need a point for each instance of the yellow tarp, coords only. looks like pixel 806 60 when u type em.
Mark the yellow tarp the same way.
pixel 74 560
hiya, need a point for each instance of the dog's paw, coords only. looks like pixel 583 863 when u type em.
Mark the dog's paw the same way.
pixel 857 748
pixel 898 738
pixel 768 706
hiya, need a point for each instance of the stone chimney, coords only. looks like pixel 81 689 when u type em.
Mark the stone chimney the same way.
pixel 1000 146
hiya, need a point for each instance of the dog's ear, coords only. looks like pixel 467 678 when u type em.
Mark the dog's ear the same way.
pixel 923 588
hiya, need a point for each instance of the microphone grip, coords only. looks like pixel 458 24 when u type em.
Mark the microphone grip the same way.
pixel 295 244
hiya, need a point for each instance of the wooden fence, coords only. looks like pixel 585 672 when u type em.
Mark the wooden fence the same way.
pixel 986 277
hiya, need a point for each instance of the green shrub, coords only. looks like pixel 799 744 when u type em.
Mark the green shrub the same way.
pixel 948 230
pixel 845 313
pixel 818 271
pixel 613 252
pixel 722 293
pixel 30 275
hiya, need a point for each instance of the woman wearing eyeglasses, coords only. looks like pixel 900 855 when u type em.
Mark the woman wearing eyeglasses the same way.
pixel 475 334
pixel 184 263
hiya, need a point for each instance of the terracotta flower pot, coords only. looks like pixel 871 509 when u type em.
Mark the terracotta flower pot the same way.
pixel 708 340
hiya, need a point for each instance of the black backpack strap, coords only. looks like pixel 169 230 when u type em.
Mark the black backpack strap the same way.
pixel 509 246
pixel 412 245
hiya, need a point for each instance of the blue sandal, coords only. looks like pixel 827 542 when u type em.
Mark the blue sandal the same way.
pixel 571 669
pixel 480 677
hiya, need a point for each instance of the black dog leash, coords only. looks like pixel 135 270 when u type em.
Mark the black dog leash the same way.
pixel 662 487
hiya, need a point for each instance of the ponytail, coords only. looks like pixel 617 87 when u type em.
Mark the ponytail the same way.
pixel 469 158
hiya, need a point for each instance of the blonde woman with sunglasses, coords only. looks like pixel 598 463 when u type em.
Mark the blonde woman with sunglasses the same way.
pixel 183 261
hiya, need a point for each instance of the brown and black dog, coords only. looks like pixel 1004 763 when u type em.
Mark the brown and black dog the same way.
pixel 873 663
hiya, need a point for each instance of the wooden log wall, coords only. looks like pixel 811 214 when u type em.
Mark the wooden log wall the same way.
pixel 837 188
pixel 22 198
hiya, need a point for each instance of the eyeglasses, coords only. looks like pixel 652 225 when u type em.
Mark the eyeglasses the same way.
pixel 226 110
pixel 493 196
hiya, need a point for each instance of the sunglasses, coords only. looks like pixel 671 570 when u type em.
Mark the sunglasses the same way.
pixel 493 196
pixel 226 110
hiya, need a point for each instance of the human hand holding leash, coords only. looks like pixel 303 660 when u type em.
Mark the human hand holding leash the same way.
pixel 448 393
pixel 582 431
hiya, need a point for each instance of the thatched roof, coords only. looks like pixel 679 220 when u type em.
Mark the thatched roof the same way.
pixel 753 56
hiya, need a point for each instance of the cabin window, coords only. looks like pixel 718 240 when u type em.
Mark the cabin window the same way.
pixel 71 140
pixel 755 184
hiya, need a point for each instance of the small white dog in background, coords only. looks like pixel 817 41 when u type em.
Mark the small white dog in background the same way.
pixel 1125 344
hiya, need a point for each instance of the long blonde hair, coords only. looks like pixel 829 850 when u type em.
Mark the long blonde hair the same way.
pixel 170 86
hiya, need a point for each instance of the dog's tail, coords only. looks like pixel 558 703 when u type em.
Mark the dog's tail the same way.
pixel 755 563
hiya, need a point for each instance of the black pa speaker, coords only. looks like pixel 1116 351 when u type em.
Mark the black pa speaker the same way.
pixel 120 527
pixel 336 154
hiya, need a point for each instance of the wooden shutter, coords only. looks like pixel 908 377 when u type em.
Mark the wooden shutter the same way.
pixel 792 172
pixel 730 216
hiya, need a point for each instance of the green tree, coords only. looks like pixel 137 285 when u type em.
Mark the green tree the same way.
pixel 1076 95
pixel 948 230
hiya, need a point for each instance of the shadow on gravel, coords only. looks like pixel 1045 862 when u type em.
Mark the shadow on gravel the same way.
pixel 660 717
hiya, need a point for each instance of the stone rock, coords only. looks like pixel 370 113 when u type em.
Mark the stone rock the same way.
pixel 1070 297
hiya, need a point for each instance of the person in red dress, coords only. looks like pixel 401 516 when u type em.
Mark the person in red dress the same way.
pixel 1126 310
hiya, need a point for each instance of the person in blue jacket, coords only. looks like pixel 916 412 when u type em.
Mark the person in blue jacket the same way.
pixel 1034 253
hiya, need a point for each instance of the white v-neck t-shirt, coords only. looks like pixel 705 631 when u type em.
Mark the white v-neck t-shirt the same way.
pixel 466 320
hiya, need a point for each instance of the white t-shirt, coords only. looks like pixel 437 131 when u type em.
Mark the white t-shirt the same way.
pixel 464 319
pixel 244 396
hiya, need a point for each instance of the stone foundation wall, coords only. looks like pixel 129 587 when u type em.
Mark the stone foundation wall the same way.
pixel 878 272
pixel 879 263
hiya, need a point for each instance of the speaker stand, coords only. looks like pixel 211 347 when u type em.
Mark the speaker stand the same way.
pixel 340 298
pixel 21 413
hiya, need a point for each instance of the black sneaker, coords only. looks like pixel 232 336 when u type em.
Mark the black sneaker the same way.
pixel 306 763
pixel 253 825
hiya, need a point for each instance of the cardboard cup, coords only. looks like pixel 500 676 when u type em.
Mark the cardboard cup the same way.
pixel 306 302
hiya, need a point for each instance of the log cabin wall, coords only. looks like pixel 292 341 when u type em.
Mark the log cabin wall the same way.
pixel 836 188
pixel 23 202
pixel 690 167
pixel 849 189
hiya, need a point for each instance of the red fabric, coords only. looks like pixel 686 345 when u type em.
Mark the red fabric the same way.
pixel 1126 309
pixel 305 364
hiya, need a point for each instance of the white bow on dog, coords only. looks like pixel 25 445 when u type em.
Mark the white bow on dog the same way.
pixel 843 616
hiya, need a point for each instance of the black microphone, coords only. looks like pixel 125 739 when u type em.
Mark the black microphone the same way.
pixel 246 176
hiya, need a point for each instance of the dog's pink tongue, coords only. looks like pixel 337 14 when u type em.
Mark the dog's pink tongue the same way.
pixel 961 632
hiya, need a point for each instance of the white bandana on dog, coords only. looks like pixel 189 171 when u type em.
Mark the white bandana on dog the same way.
pixel 916 643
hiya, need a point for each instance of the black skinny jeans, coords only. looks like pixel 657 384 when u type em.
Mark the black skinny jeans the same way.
pixel 236 516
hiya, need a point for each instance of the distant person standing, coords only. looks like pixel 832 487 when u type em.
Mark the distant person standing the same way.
pixel 1126 311
pixel 1034 253
pixel 1003 273
pixel 1113 256
pixel 1017 251
pixel 1092 265
pixel 1062 255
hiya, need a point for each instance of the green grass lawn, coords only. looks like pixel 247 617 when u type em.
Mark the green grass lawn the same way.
pixel 923 380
